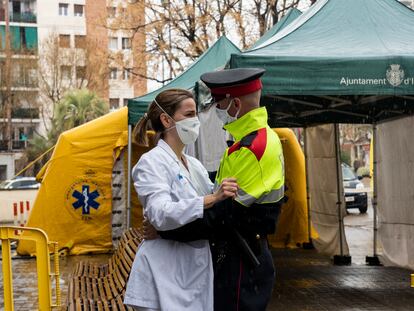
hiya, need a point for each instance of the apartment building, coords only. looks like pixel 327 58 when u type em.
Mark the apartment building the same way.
pixel 18 81
pixel 83 28
pixel 79 22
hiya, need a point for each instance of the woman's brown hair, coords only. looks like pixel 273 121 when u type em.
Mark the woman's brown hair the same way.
pixel 170 101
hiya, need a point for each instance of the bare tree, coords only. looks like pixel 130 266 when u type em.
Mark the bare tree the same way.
pixel 63 68
pixel 179 31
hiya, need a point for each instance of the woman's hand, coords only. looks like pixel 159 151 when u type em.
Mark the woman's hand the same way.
pixel 228 189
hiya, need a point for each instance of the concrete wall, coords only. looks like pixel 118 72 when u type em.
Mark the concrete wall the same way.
pixel 8 197
pixel 8 160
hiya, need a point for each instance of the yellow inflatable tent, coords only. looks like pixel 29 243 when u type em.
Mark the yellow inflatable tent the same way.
pixel 75 203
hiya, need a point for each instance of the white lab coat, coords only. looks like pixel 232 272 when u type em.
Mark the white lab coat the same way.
pixel 171 275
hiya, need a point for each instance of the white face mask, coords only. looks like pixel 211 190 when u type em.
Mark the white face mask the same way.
pixel 187 129
pixel 224 116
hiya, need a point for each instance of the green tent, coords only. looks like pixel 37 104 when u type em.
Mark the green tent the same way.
pixel 341 61
pixel 290 16
pixel 216 56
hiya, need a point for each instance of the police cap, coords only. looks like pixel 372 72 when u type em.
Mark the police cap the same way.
pixel 233 82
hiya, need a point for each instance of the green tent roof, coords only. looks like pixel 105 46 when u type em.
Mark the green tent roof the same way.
pixel 350 49
pixel 290 16
pixel 216 56
pixel 339 47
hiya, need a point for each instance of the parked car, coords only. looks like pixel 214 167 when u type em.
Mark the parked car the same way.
pixel 356 195
pixel 20 183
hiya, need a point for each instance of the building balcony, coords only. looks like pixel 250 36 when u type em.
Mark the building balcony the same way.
pixel 16 145
pixel 26 17
pixel 25 113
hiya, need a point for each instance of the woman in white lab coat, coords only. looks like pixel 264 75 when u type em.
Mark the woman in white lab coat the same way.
pixel 174 190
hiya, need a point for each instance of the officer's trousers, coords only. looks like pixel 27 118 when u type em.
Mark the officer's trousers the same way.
pixel 238 286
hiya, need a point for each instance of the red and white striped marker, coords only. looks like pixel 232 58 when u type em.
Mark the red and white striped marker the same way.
pixel 27 212
pixel 21 218
pixel 15 216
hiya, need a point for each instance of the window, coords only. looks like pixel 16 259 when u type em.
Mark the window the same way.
pixel 126 102
pixel 113 43
pixel 64 41
pixel 126 43
pixel 113 74
pixel 32 77
pixel 63 9
pixel 78 10
pixel 22 134
pixel 80 42
pixel 113 103
pixel 66 72
pixel 111 11
pixel 126 74
pixel 80 72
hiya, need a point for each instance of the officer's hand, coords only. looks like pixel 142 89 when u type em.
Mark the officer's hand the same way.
pixel 227 189
pixel 149 231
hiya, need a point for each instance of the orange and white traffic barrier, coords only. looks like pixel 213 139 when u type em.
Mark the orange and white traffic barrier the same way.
pixel 21 213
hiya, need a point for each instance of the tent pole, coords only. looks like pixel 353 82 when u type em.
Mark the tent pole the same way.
pixel 128 211
pixel 309 244
pixel 374 260
pixel 339 259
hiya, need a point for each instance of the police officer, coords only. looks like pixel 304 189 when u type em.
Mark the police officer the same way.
pixel 243 265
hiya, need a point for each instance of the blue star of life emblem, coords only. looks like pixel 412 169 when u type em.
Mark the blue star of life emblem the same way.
pixel 85 200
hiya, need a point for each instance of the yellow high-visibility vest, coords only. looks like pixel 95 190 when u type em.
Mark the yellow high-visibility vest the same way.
pixel 255 160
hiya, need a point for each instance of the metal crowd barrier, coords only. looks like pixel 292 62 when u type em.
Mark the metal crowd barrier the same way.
pixel 9 233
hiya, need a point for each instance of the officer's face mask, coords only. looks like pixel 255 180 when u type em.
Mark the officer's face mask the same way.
pixel 187 129
pixel 224 116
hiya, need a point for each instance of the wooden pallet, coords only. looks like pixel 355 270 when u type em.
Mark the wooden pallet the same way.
pixel 102 287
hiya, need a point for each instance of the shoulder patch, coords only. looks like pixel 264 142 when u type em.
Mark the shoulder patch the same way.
pixel 255 142
pixel 258 145
pixel 234 148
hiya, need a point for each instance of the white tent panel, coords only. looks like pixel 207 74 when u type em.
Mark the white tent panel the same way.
pixel 323 190
pixel 395 180
pixel 211 143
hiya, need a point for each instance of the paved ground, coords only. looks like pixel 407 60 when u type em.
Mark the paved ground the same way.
pixel 306 280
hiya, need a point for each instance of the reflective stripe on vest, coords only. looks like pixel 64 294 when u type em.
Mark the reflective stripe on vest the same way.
pixel 270 197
